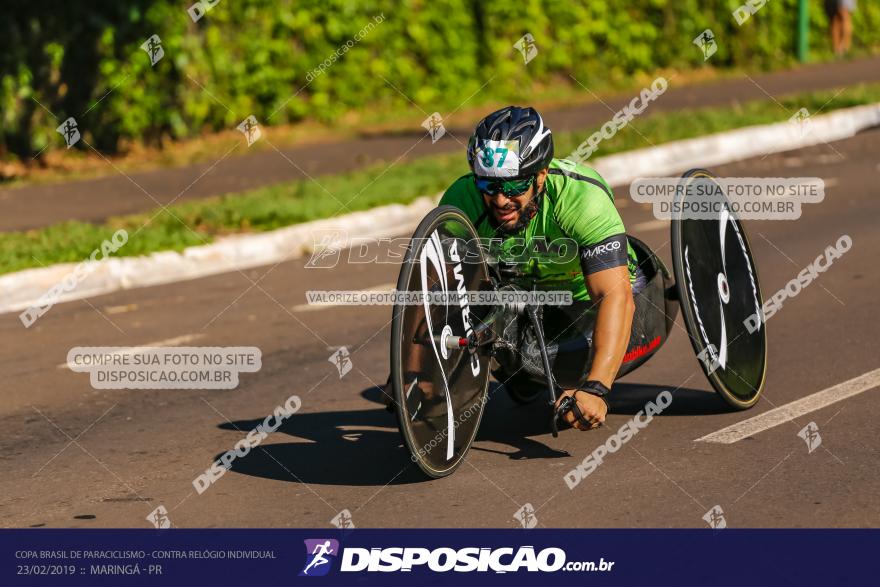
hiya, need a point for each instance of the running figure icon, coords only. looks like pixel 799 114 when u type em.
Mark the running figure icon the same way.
pixel 318 556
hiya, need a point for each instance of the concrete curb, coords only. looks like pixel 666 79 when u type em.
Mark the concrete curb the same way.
pixel 735 145
pixel 23 289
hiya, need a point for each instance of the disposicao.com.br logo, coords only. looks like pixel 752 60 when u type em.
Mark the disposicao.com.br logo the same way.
pixel 320 554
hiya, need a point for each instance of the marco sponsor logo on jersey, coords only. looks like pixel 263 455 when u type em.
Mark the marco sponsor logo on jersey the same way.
pixel 614 443
pixel 619 121
pixel 806 276
pixel 590 252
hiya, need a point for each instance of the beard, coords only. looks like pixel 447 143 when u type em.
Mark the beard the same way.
pixel 526 213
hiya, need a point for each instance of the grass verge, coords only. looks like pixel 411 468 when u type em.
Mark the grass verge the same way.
pixel 267 208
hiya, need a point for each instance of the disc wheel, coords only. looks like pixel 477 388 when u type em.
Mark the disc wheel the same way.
pixel 440 388
pixel 720 297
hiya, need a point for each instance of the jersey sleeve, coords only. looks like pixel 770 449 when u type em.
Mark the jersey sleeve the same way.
pixel 586 213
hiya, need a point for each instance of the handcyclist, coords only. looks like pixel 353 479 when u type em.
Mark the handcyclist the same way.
pixel 516 189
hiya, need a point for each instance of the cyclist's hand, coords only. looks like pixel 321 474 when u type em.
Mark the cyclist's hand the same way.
pixel 593 408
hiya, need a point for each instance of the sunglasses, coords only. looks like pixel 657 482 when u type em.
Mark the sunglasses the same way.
pixel 510 188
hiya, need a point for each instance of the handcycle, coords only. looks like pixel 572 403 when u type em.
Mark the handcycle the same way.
pixel 443 343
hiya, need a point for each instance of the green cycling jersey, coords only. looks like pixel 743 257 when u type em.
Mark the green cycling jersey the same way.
pixel 577 212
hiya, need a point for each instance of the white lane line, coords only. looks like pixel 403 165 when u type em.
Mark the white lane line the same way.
pixel 318 306
pixel 176 341
pixel 792 410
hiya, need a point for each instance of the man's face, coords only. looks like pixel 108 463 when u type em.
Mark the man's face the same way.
pixel 512 212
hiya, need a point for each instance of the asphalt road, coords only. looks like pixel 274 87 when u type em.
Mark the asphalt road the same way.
pixel 72 456
pixel 94 200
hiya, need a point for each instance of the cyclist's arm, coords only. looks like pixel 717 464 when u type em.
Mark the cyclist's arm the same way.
pixel 606 276
pixel 588 215
pixel 611 289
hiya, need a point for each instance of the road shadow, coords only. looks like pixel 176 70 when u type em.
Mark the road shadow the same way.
pixel 506 422
pixel 342 447
pixel 364 447
pixel 630 398
pixel 627 398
